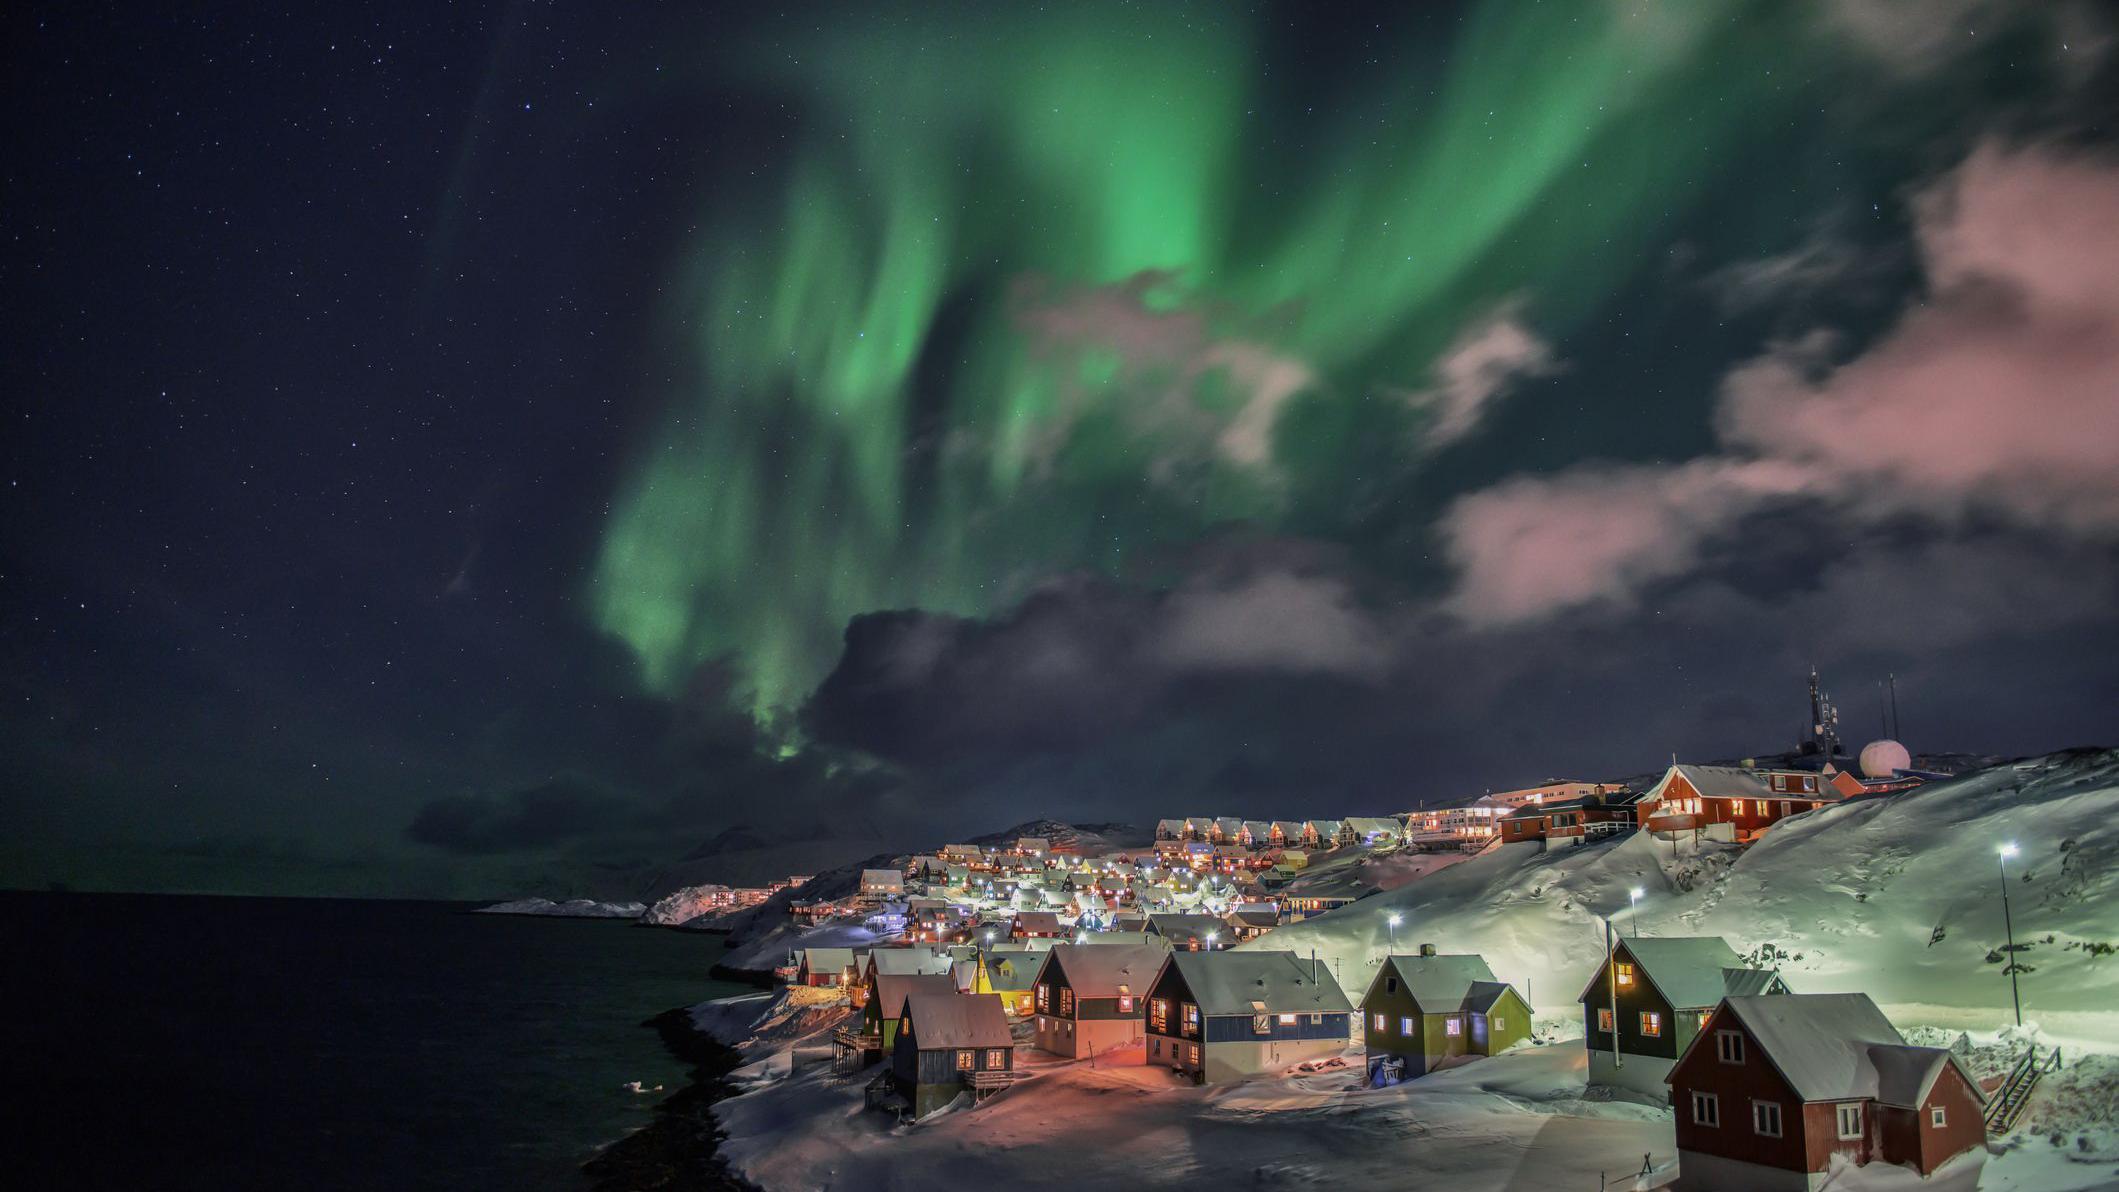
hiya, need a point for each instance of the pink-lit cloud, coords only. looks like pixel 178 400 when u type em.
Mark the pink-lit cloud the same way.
pixel 1997 394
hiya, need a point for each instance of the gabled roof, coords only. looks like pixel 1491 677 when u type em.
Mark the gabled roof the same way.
pixel 1120 938
pixel 1228 824
pixel 1289 827
pixel 892 989
pixel 1107 970
pixel 1255 916
pixel 882 877
pixel 1367 825
pixel 827 960
pixel 1325 827
pixel 1692 972
pixel 1484 994
pixel 1012 970
pixel 1259 983
pixel 1258 827
pixel 908 960
pixel 1176 926
pixel 1839 1046
pixel 1732 782
pixel 1441 984
pixel 951 1020
pixel 1037 921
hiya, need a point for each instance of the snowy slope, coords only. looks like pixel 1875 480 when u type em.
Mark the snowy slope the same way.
pixel 1896 896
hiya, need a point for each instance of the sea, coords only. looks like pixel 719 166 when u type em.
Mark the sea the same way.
pixel 177 1042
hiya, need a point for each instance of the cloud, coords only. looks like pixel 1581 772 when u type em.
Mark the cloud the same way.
pixel 1484 362
pixel 1993 398
pixel 552 812
pixel 1920 37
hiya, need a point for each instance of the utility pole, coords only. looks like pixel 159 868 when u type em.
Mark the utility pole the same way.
pixel 2005 852
pixel 1611 984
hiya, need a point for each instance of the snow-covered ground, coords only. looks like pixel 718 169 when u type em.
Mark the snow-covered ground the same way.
pixel 1898 897
pixel 574 908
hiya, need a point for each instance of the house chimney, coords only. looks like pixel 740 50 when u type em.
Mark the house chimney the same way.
pixel 1427 949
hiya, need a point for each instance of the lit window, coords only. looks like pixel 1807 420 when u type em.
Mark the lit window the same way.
pixel 1729 1047
pixel 1498 1023
pixel 1125 1003
pixel 965 1060
pixel 1383 1023
pixel 1604 1020
pixel 1261 1024
pixel 1453 1025
pixel 996 1059
pixel 1651 1024
pixel 1625 974
pixel 1044 999
pixel 1192 1054
pixel 1937 1118
pixel 1850 1121
pixel 1287 1020
pixel 1766 1118
pixel 1067 1003
pixel 1406 1027
pixel 1706 1109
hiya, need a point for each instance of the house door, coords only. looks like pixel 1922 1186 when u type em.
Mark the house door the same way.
pixel 1479 1032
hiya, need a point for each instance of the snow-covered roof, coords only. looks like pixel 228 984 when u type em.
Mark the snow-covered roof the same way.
pixel 1255 916
pixel 1037 921
pixel 1171 825
pixel 1106 970
pixel 942 1020
pixel 1289 827
pixel 1838 1046
pixel 1441 984
pixel 1176 926
pixel 1693 972
pixel 1259 983
pixel 1325 827
pixel 1371 825
pixel 1012 970
pixel 1258 827
pixel 827 960
pixel 1228 824
pixel 1728 782
pixel 1483 995
pixel 893 988
pixel 908 960
pixel 889 879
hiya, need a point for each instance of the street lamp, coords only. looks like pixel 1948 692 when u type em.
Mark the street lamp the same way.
pixel 2006 851
pixel 1633 910
pixel 1393 922
pixel 1211 937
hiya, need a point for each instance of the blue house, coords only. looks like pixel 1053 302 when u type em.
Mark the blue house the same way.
pixel 1216 1016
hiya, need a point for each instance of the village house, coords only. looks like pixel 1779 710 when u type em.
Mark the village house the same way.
pixel 1216 1016
pixel 1189 932
pixel 857 1046
pixel 1847 784
pixel 1566 822
pixel 1666 987
pixel 1728 802
pixel 1286 832
pixel 880 962
pixel 1249 920
pixel 1226 829
pixel 948 1044
pixel 1424 1013
pixel 1033 846
pixel 1309 906
pixel 1374 832
pixel 1092 998
pixel 1552 790
pixel 967 853
pixel 825 967
pixel 1172 829
pixel 881 883
pixel 1036 925
pixel 1009 973
pixel 1449 827
pixel 1322 834
pixel 1776 1088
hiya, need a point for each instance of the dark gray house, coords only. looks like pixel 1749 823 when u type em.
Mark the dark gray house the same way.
pixel 949 1044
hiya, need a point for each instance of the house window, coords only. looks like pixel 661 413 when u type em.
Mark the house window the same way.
pixel 1625 974
pixel 1406 1027
pixel 1159 1015
pixel 1044 999
pixel 1067 1003
pixel 1850 1120
pixel 1766 1118
pixel 1287 1020
pixel 1316 1020
pixel 1390 985
pixel 1155 1047
pixel 1261 1024
pixel 1191 1019
pixel 1651 1024
pixel 1604 1020
pixel 1192 1054
pixel 1383 1023
pixel 1706 1110
pixel 1453 1025
pixel 1497 1022
pixel 996 1059
pixel 1937 1118
pixel 965 1061
pixel 1125 1003
pixel 1729 1047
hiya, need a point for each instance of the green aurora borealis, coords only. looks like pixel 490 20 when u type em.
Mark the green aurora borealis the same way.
pixel 874 423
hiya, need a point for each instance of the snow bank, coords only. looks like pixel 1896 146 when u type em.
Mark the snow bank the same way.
pixel 1898 897
pixel 575 908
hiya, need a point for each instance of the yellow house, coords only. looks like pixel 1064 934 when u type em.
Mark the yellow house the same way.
pixel 1010 973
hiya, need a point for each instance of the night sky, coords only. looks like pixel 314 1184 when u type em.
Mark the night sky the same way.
pixel 454 448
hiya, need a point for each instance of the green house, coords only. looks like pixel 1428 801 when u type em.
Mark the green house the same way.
pixel 1427 1012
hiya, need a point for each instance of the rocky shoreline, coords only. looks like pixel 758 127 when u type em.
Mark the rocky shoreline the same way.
pixel 681 1147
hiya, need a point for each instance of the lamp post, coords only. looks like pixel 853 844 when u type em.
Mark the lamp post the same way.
pixel 1633 910
pixel 2006 851
pixel 1211 937
pixel 1393 922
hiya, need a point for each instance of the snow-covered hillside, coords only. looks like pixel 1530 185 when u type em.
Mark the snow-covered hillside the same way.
pixel 1896 896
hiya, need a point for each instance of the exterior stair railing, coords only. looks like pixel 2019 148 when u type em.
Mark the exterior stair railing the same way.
pixel 2014 1094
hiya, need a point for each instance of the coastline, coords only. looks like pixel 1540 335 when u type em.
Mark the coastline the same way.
pixel 681 1147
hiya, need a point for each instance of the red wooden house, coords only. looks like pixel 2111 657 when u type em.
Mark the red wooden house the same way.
pixel 1571 821
pixel 1774 1089
pixel 1729 802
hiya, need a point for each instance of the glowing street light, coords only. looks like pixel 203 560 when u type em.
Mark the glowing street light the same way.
pixel 2007 850
pixel 1211 937
pixel 1633 909
pixel 1392 922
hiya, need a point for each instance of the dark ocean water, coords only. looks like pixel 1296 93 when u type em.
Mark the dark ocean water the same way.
pixel 180 1042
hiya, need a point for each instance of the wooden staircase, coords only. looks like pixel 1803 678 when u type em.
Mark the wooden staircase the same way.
pixel 2009 1101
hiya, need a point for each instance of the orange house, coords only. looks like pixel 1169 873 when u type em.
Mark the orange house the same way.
pixel 1730 802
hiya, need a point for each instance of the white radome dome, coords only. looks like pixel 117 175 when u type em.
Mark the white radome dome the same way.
pixel 1882 759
